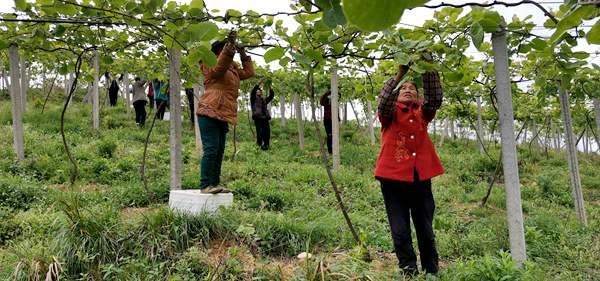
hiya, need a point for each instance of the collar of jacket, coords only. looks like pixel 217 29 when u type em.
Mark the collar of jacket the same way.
pixel 405 107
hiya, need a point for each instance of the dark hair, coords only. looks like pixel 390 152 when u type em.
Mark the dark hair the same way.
pixel 255 89
pixel 137 79
pixel 217 46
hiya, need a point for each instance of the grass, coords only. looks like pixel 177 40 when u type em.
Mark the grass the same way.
pixel 106 227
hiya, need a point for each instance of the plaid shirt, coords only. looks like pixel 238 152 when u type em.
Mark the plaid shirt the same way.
pixel 433 98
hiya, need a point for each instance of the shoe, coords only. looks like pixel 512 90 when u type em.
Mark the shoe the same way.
pixel 212 190
pixel 264 147
pixel 223 189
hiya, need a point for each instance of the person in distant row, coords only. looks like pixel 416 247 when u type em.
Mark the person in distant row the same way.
pixel 161 97
pixel 261 115
pixel 218 107
pixel 151 94
pixel 406 163
pixel 139 101
pixel 326 103
pixel 113 90
pixel 189 93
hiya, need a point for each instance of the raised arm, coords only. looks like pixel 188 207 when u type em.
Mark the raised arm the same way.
pixel 247 70
pixel 253 95
pixel 387 98
pixel 224 61
pixel 433 94
pixel 271 95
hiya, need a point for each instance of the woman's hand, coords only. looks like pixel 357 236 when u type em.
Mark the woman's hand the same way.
pixel 232 37
pixel 402 70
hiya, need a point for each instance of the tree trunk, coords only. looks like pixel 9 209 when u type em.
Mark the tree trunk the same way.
pixel 24 85
pixel 15 92
pixel 127 96
pixel 299 120
pixel 198 92
pixel 95 93
pixel 452 129
pixel 479 125
pixel 596 102
pixel 444 131
pixel 282 109
pixel 571 148
pixel 355 114
pixel 509 149
pixel 370 120
pixel 175 117
pixel 335 121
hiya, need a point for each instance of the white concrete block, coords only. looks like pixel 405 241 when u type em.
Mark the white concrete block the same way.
pixel 193 202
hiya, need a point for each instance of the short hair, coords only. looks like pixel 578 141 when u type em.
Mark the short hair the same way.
pixel 217 46
pixel 137 79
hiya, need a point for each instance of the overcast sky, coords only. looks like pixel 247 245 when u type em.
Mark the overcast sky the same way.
pixel 414 17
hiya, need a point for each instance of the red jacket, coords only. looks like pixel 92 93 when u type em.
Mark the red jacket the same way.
pixel 405 146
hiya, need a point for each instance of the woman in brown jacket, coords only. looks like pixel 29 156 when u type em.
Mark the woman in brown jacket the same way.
pixel 218 107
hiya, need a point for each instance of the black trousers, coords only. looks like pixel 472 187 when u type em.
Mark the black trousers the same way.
pixel 151 102
pixel 404 200
pixel 328 131
pixel 190 98
pixel 112 97
pixel 263 132
pixel 140 112
pixel 160 111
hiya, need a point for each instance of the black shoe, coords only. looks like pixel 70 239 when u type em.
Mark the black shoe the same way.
pixel 264 147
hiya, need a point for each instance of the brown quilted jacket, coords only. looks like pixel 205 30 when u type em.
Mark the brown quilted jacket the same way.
pixel 222 84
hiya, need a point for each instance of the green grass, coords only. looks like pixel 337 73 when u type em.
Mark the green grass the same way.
pixel 106 227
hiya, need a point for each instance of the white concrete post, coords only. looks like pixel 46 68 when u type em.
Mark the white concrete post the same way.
pixel 514 210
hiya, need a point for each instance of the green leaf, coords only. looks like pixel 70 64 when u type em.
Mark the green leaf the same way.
pixel 538 44
pixel 491 21
pixel 593 36
pixel 476 33
pixel 571 20
pixel 197 4
pixel 373 15
pixel 453 76
pixel 59 30
pixel 334 17
pixel 204 31
pixel 274 54
pixel 207 56
pixel 4 44
pixel 20 5
pixel 402 58
pixel 284 61
pixel 581 55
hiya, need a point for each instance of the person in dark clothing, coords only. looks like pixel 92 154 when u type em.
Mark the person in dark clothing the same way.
pixel 189 93
pixel 326 103
pixel 113 90
pixel 261 116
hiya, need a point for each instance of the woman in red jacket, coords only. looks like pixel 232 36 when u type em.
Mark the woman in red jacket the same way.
pixel 406 163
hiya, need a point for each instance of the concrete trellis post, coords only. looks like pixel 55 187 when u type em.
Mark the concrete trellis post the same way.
pixel 95 93
pixel 15 93
pixel 571 148
pixel 335 121
pixel 298 110
pixel 175 118
pixel 514 210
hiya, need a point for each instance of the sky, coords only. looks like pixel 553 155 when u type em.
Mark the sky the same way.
pixel 413 17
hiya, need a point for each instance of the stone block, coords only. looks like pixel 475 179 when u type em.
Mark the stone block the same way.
pixel 193 202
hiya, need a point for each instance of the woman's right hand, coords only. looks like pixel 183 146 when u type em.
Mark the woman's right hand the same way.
pixel 232 37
